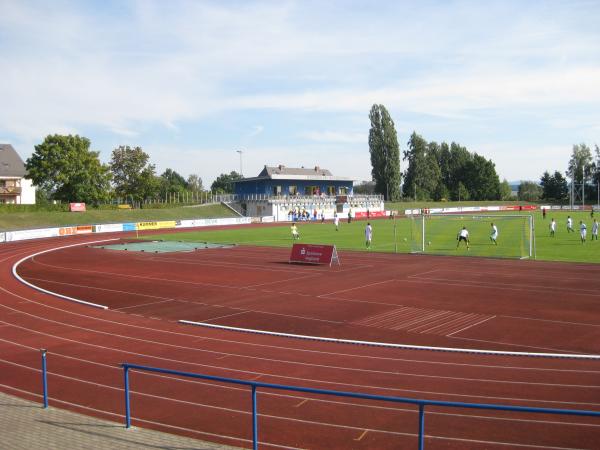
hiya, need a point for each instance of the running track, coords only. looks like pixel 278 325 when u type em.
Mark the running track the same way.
pixel 458 302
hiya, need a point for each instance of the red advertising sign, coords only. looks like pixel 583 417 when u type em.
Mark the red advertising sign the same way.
pixel 77 207
pixel 314 254
pixel 363 214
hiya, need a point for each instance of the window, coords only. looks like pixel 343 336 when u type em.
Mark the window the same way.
pixel 330 190
pixel 293 190
pixel 276 190
pixel 343 190
pixel 311 190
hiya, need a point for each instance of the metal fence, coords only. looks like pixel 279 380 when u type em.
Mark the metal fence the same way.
pixel 254 385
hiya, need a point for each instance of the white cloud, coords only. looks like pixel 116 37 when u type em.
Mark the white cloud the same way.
pixel 335 137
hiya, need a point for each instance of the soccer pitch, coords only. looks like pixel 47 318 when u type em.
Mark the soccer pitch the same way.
pixel 563 247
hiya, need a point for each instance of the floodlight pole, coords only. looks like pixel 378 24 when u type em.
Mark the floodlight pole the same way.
pixel 241 169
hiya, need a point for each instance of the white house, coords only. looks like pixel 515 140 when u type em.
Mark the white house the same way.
pixel 14 188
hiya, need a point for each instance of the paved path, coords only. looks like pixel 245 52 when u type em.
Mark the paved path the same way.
pixel 26 425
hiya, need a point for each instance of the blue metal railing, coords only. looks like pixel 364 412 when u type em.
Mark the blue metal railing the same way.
pixel 420 403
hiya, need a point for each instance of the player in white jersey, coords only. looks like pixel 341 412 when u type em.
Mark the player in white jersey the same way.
pixel 552 227
pixel 368 235
pixel 595 230
pixel 582 231
pixel 570 225
pixel 494 235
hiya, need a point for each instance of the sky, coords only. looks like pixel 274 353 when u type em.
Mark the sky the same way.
pixel 292 82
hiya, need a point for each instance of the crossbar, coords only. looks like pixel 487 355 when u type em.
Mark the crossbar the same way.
pixel 420 403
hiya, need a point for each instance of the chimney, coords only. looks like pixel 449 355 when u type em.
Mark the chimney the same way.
pixel 281 167
pixel 317 168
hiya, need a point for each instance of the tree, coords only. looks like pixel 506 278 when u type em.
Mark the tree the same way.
pixel 66 168
pixel 385 153
pixel 581 158
pixel 365 188
pixel 172 182
pixel 423 176
pixel 481 179
pixel 224 183
pixel 554 187
pixel 133 176
pixel 529 191
pixel 194 183
pixel 505 190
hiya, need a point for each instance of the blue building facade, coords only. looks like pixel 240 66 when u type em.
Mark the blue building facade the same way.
pixel 281 181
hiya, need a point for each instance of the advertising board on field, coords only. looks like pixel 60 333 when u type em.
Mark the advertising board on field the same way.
pixel 77 207
pixel 108 228
pixel 314 254
pixel 129 227
pixel 2 236
pixel 38 233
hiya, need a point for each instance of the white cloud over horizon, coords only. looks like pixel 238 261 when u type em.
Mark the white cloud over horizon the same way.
pixel 508 80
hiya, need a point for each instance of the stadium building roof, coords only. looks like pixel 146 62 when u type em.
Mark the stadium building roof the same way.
pixel 281 172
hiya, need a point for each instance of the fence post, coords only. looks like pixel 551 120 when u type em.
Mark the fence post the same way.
pixel 254 419
pixel 127 406
pixel 44 377
pixel 421 426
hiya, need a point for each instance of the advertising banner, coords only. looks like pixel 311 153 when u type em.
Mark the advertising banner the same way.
pixel 77 207
pixel 129 227
pixel 2 237
pixel 314 254
pixel 39 233
pixel 108 228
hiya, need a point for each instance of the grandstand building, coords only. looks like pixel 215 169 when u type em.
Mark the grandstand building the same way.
pixel 14 187
pixel 280 193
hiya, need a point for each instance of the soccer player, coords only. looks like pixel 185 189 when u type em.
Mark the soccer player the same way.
pixel 582 231
pixel 570 225
pixel 368 234
pixel 463 235
pixel 494 234
pixel 552 227
pixel 336 221
pixel 294 229
pixel 595 230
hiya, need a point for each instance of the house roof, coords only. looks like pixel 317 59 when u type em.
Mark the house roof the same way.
pixel 281 172
pixel 11 164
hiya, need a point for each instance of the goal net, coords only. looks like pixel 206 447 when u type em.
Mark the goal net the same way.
pixel 438 234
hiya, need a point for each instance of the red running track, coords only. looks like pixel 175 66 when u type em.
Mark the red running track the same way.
pixel 451 302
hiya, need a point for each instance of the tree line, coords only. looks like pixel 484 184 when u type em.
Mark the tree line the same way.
pixel 65 169
pixel 435 171
pixel 584 171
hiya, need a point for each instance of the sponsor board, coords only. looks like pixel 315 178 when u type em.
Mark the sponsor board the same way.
pixel 77 207
pixel 2 237
pixel 363 214
pixel 85 229
pixel 129 227
pixel 267 219
pixel 108 228
pixel 39 233
pixel 314 254
pixel 213 222
pixel 67 231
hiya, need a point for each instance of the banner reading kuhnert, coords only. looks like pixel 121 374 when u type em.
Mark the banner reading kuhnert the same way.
pixel 314 254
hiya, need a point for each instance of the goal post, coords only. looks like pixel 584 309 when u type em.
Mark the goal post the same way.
pixel 438 234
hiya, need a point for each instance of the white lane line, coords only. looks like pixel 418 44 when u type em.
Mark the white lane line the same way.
pixel 358 287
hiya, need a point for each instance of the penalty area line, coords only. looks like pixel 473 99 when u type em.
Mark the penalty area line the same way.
pixel 391 345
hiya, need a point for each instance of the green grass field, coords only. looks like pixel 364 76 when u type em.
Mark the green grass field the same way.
pixel 563 247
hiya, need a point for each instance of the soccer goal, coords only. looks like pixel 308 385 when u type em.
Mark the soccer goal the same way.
pixel 438 234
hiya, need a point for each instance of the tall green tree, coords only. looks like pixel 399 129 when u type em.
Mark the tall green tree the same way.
pixel 194 183
pixel 423 176
pixel 529 191
pixel 133 176
pixel 224 183
pixel 481 179
pixel 66 168
pixel 172 182
pixel 554 187
pixel 385 153
pixel 505 190
pixel 581 159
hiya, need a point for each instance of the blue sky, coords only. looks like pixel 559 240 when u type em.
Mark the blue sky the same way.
pixel 292 82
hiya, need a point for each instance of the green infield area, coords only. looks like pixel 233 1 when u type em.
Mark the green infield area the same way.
pixel 405 235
